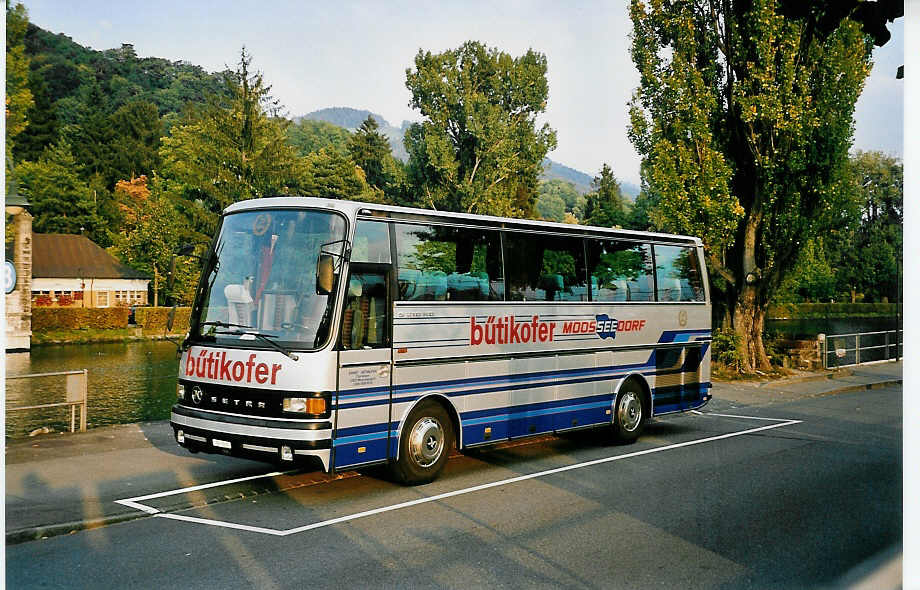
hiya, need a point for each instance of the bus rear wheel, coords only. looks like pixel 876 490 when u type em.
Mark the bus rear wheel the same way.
pixel 629 413
pixel 424 444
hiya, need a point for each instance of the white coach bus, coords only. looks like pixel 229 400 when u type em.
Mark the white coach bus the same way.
pixel 353 334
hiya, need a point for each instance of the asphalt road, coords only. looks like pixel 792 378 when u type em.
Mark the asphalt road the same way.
pixel 693 504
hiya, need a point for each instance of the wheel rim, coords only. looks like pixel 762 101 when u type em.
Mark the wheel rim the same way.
pixel 426 442
pixel 629 411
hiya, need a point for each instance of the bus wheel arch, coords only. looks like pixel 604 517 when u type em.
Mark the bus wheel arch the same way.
pixel 631 408
pixel 428 431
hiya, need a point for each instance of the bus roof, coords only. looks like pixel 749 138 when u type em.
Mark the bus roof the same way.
pixel 354 208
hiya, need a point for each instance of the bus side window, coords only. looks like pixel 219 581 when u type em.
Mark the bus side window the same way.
pixel 620 271
pixel 545 268
pixel 446 263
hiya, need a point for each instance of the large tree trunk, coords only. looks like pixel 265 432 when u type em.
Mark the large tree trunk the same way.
pixel 748 322
pixel 749 309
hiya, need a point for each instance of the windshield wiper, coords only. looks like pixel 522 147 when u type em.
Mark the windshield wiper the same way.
pixel 266 338
pixel 220 324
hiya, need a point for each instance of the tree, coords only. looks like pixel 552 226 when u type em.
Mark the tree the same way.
pixel 744 122
pixel 867 251
pixel 308 136
pixel 61 201
pixel 330 175
pixel 18 94
pixel 563 189
pixel 550 206
pixel 229 150
pixel 94 137
pixel 478 149
pixel 42 130
pixel 370 150
pixel 153 232
pixel 136 143
pixel 604 206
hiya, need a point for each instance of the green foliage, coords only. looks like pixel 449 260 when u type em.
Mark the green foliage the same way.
pixel 725 349
pixel 563 189
pixel 370 151
pixel 136 143
pixel 744 120
pixel 42 130
pixel 154 233
pixel 806 311
pixel 308 136
pixel 477 149
pixel 551 206
pixel 813 278
pixel 61 201
pixel 230 150
pixel 604 207
pixel 330 175
pixel 153 320
pixel 18 94
pixel 46 319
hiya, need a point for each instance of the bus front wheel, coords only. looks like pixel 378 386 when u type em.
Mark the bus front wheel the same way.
pixel 424 444
pixel 629 412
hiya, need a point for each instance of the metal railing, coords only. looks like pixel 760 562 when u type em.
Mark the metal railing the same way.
pixel 860 348
pixel 76 395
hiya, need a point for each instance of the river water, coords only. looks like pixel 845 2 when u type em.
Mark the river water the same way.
pixel 136 381
pixel 128 382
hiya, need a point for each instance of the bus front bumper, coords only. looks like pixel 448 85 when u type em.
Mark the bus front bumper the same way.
pixel 265 439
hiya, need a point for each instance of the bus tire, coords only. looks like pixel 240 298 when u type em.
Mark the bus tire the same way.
pixel 629 412
pixel 424 444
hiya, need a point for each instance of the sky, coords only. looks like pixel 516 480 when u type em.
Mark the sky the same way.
pixel 355 54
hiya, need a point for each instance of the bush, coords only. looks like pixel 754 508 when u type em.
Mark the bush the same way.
pixel 831 310
pixel 153 319
pixel 76 318
pixel 725 345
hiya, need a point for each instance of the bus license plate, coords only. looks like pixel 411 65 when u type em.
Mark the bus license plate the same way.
pixel 223 444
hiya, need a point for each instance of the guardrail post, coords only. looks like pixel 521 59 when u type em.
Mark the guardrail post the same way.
pixel 83 408
pixel 887 350
pixel 857 349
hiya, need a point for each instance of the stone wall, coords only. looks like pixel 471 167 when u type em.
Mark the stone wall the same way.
pixel 19 302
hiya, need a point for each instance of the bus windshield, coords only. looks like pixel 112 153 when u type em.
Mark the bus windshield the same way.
pixel 261 279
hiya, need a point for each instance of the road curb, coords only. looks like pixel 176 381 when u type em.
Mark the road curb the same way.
pixel 864 386
pixel 67 528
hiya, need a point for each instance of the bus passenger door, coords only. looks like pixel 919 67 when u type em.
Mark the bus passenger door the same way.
pixel 365 368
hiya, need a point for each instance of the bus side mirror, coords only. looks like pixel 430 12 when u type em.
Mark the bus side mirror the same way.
pixel 325 274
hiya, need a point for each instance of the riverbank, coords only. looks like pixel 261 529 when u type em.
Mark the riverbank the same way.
pixel 97 336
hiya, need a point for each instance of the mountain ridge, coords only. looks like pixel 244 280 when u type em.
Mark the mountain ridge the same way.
pixel 351 119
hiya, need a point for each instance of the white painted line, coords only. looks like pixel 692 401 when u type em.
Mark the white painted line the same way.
pixel 220 523
pixel 503 482
pixel 735 416
pixel 133 502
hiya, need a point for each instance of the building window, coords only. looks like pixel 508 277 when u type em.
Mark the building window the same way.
pixel 102 298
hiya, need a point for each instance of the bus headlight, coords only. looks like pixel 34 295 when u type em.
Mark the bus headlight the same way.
pixel 304 405
pixel 180 391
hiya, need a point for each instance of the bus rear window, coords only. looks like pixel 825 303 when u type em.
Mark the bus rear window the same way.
pixel 678 272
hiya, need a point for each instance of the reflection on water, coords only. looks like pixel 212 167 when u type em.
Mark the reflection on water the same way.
pixel 128 382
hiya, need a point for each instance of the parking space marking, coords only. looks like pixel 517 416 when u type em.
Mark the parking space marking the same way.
pixel 135 502
pixel 736 416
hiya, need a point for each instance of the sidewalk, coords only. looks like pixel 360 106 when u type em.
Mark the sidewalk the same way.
pixel 59 484
pixel 760 393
